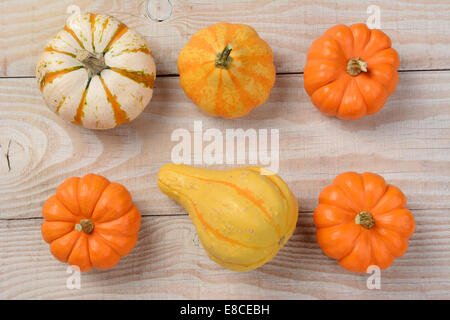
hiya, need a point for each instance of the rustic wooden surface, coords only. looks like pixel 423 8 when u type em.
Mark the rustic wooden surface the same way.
pixel 408 142
pixel 418 29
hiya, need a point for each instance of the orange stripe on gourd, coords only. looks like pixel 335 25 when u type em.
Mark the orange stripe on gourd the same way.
pixel 92 20
pixel 51 49
pixel 80 110
pixel 219 97
pixel 196 92
pixel 244 96
pixel 148 80
pixel 104 25
pixel 66 28
pixel 217 233
pixel 119 115
pixel 60 104
pixel 259 77
pixel 208 227
pixel 275 183
pixel 121 30
pixel 203 44
pixel 246 194
pixel 142 49
pixel 50 76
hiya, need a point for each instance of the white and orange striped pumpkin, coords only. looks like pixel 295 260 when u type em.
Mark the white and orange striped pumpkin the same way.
pixel 96 72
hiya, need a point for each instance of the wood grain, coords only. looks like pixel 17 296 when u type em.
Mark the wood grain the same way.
pixel 168 263
pixel 418 29
pixel 408 142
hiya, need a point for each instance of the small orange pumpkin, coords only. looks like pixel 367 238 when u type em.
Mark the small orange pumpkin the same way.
pixel 362 221
pixel 90 222
pixel 351 71
pixel 227 70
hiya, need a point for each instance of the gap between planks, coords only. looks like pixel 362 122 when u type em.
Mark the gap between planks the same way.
pixel 278 73
pixel 309 212
pixel 143 216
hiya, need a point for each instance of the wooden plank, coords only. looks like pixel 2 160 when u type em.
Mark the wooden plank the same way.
pixel 407 142
pixel 419 29
pixel 168 262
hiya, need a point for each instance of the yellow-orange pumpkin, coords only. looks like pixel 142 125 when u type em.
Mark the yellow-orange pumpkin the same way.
pixel 227 70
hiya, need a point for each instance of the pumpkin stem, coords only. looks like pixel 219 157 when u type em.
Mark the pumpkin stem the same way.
pixel 95 63
pixel 223 58
pixel 365 219
pixel 355 66
pixel 85 225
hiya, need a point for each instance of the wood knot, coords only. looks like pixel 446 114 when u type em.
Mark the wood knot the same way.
pixel 159 10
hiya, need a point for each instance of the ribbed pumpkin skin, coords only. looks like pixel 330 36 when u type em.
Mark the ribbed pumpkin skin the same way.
pixel 227 92
pixel 337 93
pixel 104 99
pixel 109 207
pixel 353 245
pixel 242 218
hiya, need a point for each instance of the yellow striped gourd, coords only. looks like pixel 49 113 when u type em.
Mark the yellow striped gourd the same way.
pixel 243 216
pixel 96 72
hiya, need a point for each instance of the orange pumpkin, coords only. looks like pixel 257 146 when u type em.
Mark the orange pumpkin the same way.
pixel 227 70
pixel 90 222
pixel 362 221
pixel 351 71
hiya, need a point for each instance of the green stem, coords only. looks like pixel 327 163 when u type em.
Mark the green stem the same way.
pixel 94 63
pixel 355 66
pixel 223 58
pixel 365 219
pixel 85 225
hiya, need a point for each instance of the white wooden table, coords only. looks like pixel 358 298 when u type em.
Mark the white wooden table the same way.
pixel 408 142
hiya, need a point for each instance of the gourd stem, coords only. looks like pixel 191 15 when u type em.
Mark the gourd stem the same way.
pixel 355 66
pixel 85 225
pixel 223 58
pixel 365 219
pixel 95 63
